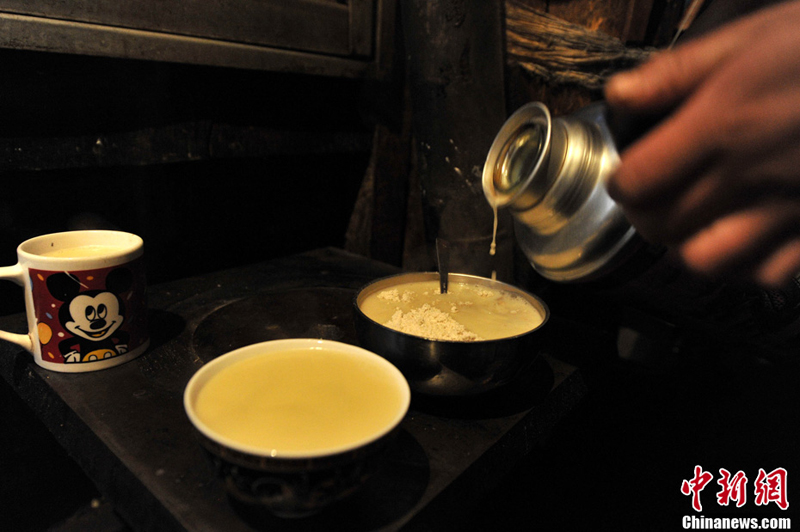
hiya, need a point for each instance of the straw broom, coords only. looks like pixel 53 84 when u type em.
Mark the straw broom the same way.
pixel 560 52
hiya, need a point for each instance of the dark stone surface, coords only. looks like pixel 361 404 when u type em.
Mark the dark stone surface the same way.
pixel 126 429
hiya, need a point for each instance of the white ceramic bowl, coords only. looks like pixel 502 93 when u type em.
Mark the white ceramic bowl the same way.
pixel 292 482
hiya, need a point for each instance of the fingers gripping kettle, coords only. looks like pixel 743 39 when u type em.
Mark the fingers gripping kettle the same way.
pixel 551 174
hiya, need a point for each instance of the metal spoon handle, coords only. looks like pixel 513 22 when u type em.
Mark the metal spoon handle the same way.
pixel 443 260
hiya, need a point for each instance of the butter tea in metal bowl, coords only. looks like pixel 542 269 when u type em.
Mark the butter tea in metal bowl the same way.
pixel 475 338
pixel 294 425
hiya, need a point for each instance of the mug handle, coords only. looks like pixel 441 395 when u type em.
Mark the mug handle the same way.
pixel 16 274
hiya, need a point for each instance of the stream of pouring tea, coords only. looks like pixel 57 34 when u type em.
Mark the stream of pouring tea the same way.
pixel 493 246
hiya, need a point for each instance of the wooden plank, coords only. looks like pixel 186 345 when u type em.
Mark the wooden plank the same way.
pixel 390 164
pixel 637 21
pixel 308 25
pixel 385 35
pixel 362 22
pixel 59 36
pixel 598 15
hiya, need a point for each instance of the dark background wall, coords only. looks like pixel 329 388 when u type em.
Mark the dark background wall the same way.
pixel 213 167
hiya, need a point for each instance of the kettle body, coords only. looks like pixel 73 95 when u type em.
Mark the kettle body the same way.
pixel 551 175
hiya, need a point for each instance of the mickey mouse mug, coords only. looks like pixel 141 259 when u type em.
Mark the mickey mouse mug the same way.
pixel 85 299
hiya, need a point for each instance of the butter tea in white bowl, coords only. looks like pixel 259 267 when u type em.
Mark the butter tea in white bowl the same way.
pixel 307 417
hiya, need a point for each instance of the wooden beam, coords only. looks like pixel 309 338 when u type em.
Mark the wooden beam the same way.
pixel 193 141
pixel 304 25
pixel 58 36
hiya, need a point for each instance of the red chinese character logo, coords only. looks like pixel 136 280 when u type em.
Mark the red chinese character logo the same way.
pixel 733 488
pixel 771 488
pixel 695 486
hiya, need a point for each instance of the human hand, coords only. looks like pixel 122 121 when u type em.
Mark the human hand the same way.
pixel 719 178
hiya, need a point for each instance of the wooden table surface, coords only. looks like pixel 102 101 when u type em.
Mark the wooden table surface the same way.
pixel 127 429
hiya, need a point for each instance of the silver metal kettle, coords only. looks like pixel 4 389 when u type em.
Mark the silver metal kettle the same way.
pixel 551 175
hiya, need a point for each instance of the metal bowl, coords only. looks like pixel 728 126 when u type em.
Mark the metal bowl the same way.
pixel 449 368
